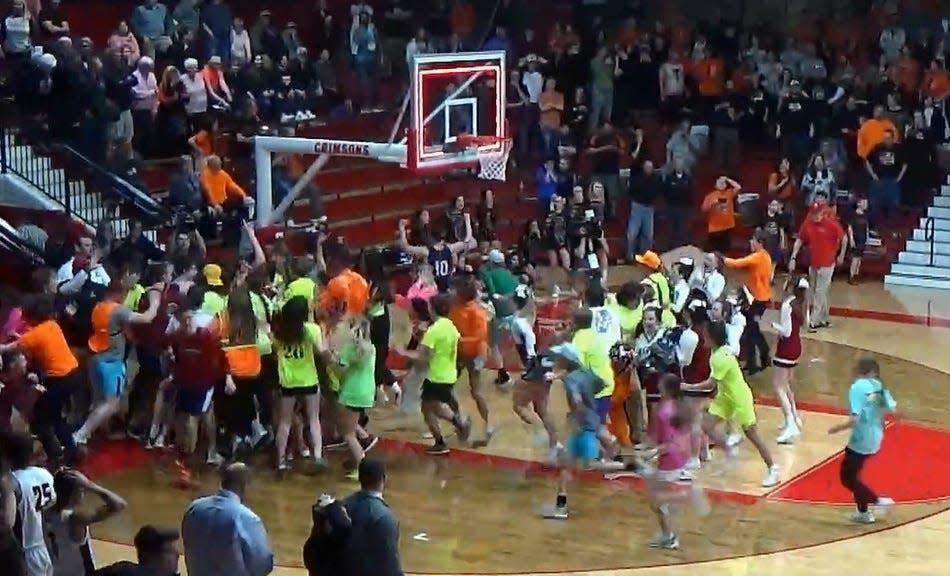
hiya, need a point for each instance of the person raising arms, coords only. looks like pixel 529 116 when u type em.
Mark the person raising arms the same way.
pixel 758 283
pixel 441 255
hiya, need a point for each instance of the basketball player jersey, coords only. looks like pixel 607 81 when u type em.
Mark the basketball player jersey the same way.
pixel 606 324
pixel 34 495
pixel 441 261
pixel 70 558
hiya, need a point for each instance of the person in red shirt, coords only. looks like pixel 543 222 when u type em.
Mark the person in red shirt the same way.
pixel 825 239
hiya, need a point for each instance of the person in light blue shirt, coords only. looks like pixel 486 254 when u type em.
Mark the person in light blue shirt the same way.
pixel 223 536
pixel 869 401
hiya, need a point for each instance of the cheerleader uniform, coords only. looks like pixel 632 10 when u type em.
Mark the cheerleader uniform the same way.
pixel 649 377
pixel 697 371
pixel 789 348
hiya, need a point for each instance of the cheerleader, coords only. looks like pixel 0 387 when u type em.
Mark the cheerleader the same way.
pixel 649 369
pixel 793 315
pixel 709 278
pixel 694 365
pixel 680 274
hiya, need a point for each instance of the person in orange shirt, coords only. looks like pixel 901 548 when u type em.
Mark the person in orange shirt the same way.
pixel 202 143
pixel 720 208
pixel 709 74
pixel 471 320
pixel 906 72
pixel 220 189
pixel 219 94
pixel 782 185
pixel 347 292
pixel 758 285
pixel 872 131
pixel 46 347
pixel 551 103
pixel 239 329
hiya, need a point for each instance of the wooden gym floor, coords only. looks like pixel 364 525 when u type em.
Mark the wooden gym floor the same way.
pixel 477 511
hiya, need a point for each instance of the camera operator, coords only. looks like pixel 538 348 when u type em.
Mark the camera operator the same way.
pixel 586 229
pixel 556 234
pixel 323 553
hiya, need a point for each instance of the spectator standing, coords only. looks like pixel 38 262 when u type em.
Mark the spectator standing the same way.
pixel 601 88
pixel 221 535
pixel 363 50
pixel 727 146
pixel 373 546
pixel 83 266
pixel 290 39
pixel 678 193
pixel 533 82
pixel 720 208
pixel 551 103
pixel 644 189
pixel 52 20
pixel 818 180
pixel 782 185
pixel 604 150
pixel 887 166
pixel 156 550
pixel 891 42
pixel 241 53
pixel 871 132
pixel 826 243
pixel 195 94
pixel 150 22
pixel 185 18
pixel 123 43
pixel 219 94
pixel 681 146
pixel 144 103
pixel 216 21
pixel 265 38
pixel 171 120
pixel 796 126
pixel 118 83
pixel 546 185
pixel 672 86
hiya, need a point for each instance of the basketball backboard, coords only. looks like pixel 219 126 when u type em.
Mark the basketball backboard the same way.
pixel 454 94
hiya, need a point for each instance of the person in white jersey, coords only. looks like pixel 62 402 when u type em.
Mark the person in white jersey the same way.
pixel 606 322
pixel 67 527
pixel 33 488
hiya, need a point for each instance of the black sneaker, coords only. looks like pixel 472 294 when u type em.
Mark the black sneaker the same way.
pixel 439 449
pixel 502 378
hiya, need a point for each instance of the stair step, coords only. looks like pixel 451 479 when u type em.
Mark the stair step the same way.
pixel 923 247
pixel 943 200
pixel 945 190
pixel 942 224
pixel 925 271
pixel 920 234
pixel 921 259
pixel 937 212
pixel 917 281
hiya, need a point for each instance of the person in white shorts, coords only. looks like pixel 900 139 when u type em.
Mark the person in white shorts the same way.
pixel 34 492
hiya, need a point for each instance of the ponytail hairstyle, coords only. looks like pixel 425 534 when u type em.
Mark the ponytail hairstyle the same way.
pixel 289 322
pixel 242 324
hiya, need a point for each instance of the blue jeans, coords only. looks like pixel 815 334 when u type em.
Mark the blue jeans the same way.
pixel 639 229
pixel 885 197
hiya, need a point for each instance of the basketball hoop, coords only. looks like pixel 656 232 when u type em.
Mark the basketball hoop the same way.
pixel 492 153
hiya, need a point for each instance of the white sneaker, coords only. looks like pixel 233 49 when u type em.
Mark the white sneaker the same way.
pixel 883 505
pixel 214 459
pixel 300 116
pixel 671 542
pixel 864 517
pixel 159 441
pixel 79 439
pixel 286 118
pixel 733 440
pixel 772 478
pixel 554 454
pixel 790 435
pixel 686 475
pixel 798 422
pixel 693 464
pixel 397 392
pixel 555 512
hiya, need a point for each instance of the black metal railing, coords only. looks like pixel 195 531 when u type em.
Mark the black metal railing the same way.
pixel 930 235
pixel 12 243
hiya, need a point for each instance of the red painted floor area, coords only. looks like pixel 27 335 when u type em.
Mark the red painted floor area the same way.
pixel 912 466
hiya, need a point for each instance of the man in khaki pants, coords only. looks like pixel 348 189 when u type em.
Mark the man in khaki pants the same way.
pixel 824 237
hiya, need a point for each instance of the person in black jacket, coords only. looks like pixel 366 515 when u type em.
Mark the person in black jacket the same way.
pixel 372 548
pixel 323 551
pixel 678 193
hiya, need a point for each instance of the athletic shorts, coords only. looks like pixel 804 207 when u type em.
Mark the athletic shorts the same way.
pixel 583 446
pixel 298 391
pixel 111 377
pixel 194 401
pixel 38 562
pixel 742 413
pixel 783 363
pixel 435 392
pixel 603 408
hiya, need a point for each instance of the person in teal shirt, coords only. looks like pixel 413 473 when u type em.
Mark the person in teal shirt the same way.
pixel 500 285
pixel 869 401
pixel 355 364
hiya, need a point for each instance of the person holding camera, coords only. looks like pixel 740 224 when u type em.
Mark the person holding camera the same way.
pixel 720 208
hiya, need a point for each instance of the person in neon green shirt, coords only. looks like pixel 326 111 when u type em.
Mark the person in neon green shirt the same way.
pixel 215 302
pixel 439 352
pixel 595 356
pixel 298 344
pixel 733 401
pixel 355 363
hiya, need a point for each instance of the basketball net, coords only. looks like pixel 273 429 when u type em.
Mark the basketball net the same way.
pixel 493 164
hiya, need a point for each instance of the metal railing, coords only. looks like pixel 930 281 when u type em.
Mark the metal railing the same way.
pixel 930 235
pixel 11 241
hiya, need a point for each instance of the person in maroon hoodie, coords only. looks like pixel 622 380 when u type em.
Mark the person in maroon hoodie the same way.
pixel 197 365
pixel 150 341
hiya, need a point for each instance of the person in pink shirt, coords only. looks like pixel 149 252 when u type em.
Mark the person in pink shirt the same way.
pixel 672 440
pixel 423 288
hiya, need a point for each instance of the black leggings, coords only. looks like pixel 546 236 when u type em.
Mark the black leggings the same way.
pixel 145 384
pixel 237 410
pixel 379 328
pixel 49 423
pixel 753 341
pixel 851 479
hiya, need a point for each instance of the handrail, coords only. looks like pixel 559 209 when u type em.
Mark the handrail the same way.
pixel 10 239
pixel 930 235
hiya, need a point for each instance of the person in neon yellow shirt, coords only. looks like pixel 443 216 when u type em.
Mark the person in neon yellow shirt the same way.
pixel 439 352
pixel 733 401
pixel 595 356
pixel 298 344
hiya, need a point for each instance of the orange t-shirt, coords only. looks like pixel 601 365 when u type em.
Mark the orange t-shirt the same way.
pixel 786 192
pixel 349 288
pixel 46 345
pixel 720 205
pixel 710 76
pixel 871 134
pixel 758 268
pixel 937 84
pixel 204 142
pixel 471 320
pixel 99 339
pixel 554 102
pixel 219 186
pixel 243 361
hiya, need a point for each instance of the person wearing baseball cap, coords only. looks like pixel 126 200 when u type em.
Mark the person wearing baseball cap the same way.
pixel 215 301
pixel 651 262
